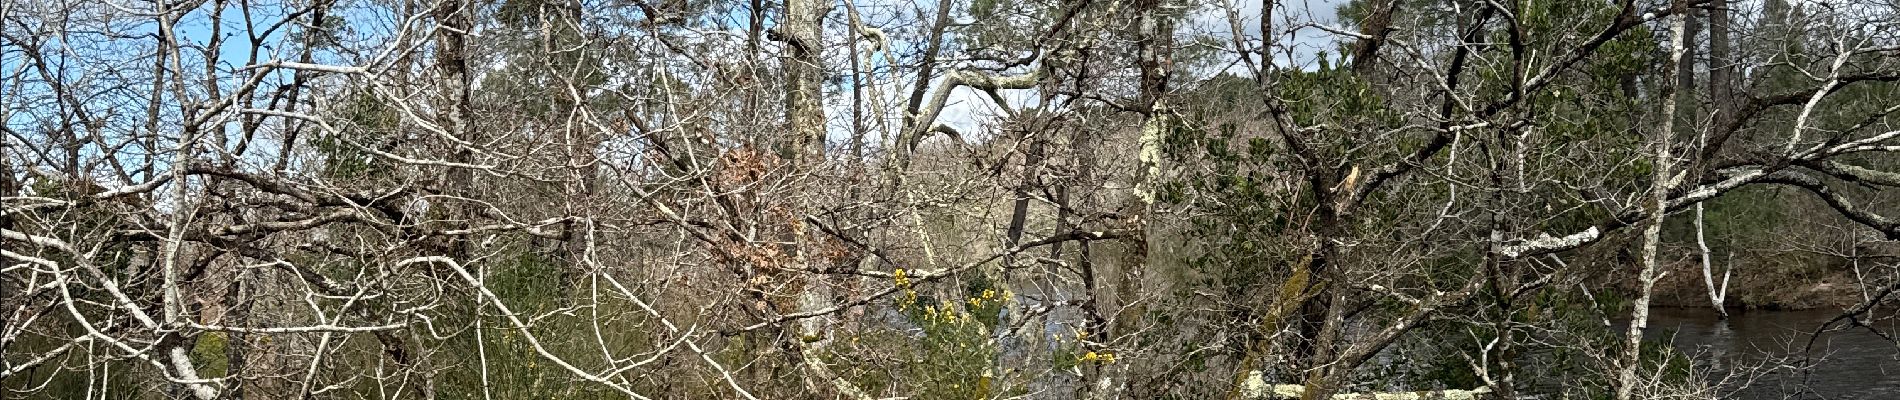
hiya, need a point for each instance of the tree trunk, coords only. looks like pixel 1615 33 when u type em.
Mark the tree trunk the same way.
pixel 1722 106
pixel 804 108
pixel 804 72
pixel 1365 52
pixel 1627 380
pixel 1716 294
pixel 1721 84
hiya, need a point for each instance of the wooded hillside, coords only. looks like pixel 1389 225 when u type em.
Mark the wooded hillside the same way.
pixel 993 199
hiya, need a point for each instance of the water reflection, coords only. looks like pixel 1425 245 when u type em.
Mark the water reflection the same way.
pixel 1851 364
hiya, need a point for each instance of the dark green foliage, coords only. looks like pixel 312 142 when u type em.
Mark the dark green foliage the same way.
pixel 369 123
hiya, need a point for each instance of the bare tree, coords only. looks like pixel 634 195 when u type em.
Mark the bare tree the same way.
pixel 986 199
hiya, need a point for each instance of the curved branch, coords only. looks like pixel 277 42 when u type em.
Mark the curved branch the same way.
pixel 1840 203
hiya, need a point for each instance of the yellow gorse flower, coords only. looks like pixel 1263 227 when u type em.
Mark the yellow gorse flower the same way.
pixel 909 298
pixel 899 277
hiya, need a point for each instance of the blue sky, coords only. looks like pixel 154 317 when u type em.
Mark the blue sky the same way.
pixel 967 111
pixel 109 65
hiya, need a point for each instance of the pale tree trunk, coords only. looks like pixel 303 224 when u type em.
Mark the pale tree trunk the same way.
pixel 804 73
pixel 1156 41
pixel 805 113
pixel 804 108
pixel 1716 293
pixel 1627 380
pixel 1721 102
pixel 454 98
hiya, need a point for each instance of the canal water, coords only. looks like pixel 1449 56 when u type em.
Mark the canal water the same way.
pixel 1843 364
